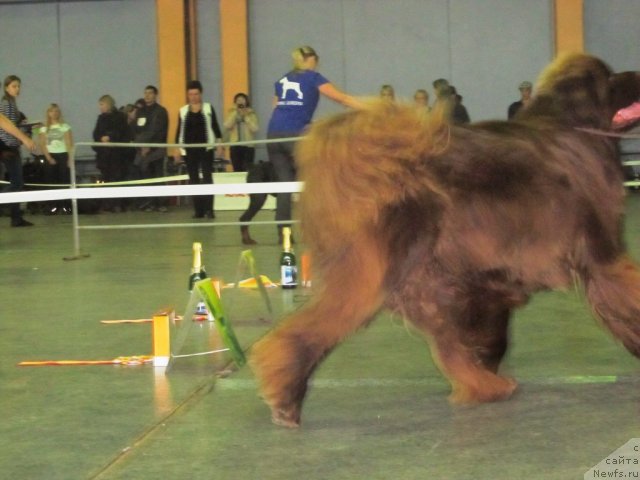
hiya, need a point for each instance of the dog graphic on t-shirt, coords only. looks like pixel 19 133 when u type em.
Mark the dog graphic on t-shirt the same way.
pixel 288 85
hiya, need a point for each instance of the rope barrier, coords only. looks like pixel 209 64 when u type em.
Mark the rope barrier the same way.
pixel 183 225
pixel 108 190
pixel 155 191
pixel 608 133
pixel 142 181
pixel 188 145
pixel 124 189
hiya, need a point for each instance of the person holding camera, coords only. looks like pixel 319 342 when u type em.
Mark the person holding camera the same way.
pixel 240 124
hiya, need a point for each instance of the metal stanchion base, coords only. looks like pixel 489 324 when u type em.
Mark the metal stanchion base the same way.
pixel 76 257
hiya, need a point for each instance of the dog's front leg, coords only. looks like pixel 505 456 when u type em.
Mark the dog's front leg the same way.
pixel 285 358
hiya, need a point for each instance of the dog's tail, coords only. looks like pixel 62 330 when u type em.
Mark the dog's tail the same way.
pixel 357 163
pixel 614 293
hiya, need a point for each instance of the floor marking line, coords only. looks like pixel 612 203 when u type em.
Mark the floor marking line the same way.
pixel 248 384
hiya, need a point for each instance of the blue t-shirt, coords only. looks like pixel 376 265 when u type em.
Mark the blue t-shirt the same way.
pixel 298 96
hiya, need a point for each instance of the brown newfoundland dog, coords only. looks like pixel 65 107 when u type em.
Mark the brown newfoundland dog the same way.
pixel 454 227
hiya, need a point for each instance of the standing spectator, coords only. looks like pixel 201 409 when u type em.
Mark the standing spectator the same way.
pixel 240 125
pixel 296 97
pixel 459 114
pixel 525 96
pixel 10 139
pixel 111 126
pixel 421 100
pixel 441 91
pixel 262 172
pixel 11 129
pixel 449 103
pixel 129 154
pixel 56 142
pixel 151 126
pixel 388 93
pixel 197 123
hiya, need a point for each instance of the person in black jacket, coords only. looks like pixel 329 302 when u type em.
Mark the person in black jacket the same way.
pixel 111 126
pixel 151 126
pixel 525 97
pixel 459 114
pixel 197 123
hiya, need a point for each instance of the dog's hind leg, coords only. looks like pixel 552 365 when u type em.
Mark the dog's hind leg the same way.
pixel 613 290
pixel 488 336
pixel 285 358
pixel 468 340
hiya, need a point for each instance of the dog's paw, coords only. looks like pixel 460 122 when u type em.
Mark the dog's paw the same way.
pixel 289 418
pixel 497 388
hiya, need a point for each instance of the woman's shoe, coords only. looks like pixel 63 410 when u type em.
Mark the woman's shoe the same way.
pixel 246 238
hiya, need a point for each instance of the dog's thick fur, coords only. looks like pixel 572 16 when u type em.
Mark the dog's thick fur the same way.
pixel 455 227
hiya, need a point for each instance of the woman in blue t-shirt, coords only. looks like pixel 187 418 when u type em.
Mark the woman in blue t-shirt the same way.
pixel 296 98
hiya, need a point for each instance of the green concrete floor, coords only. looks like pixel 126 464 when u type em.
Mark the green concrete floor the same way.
pixel 377 408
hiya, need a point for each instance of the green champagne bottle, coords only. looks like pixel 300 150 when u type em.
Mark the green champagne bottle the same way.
pixel 198 273
pixel 197 269
pixel 288 267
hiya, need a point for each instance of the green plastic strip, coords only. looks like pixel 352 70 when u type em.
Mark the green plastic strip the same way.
pixel 210 297
pixel 247 258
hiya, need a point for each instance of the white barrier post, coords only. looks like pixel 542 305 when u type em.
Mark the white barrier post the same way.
pixel 74 210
